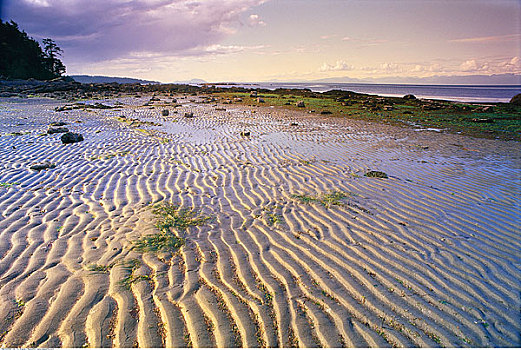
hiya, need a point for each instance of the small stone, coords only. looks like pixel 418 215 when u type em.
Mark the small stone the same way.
pixel 483 120
pixel 189 115
pixel 326 112
pixel 260 100
pixel 60 130
pixel 245 133
pixel 58 124
pixel 301 104
pixel 71 137
pixel 42 166
pixel 409 97
pixel 165 112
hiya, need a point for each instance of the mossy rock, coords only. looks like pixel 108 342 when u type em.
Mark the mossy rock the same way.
pixel 378 174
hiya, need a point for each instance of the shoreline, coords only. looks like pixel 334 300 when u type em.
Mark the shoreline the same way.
pixel 287 243
pixel 484 120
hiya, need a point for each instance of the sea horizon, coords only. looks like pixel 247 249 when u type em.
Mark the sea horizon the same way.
pixel 448 92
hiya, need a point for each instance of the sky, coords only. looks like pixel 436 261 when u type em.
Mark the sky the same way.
pixel 277 40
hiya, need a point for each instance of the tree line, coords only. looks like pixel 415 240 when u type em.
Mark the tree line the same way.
pixel 22 57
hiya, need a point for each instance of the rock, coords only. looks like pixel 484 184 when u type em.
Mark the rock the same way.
pixel 253 94
pixel 388 108
pixel 409 97
pixel 483 120
pixel 293 124
pixel 61 130
pixel 326 112
pixel 42 166
pixel 488 109
pixel 516 100
pixel 189 115
pixel 58 124
pixel 245 133
pixel 165 112
pixel 260 100
pixel 301 104
pixel 378 174
pixel 71 137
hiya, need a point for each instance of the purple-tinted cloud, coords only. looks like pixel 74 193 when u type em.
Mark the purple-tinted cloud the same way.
pixel 97 30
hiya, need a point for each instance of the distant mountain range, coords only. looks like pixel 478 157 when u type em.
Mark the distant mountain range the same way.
pixel 495 79
pixel 100 79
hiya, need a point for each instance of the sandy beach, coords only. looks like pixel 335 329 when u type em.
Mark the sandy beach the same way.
pixel 296 247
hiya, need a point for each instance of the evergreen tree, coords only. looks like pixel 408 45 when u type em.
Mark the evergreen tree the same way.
pixel 21 57
pixel 52 51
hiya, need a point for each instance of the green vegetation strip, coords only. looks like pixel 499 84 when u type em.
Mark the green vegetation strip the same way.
pixel 493 120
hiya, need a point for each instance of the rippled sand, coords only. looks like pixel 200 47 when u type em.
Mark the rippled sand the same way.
pixel 428 257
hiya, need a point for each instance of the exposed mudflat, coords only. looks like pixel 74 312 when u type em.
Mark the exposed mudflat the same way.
pixel 300 248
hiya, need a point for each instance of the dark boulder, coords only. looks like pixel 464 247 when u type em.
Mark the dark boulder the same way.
pixel 301 104
pixel 409 97
pixel 165 112
pixel 516 100
pixel 71 137
pixel 189 115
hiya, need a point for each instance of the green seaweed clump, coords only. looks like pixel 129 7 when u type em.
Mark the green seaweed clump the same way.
pixel 159 242
pixel 171 216
pixel 327 200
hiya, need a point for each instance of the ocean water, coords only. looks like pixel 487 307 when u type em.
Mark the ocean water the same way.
pixel 462 93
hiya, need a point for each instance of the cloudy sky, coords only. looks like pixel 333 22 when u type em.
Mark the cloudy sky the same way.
pixel 288 40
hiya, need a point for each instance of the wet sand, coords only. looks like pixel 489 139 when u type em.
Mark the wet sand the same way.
pixel 427 257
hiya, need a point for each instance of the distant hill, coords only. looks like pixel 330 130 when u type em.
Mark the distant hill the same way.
pixel 192 81
pixel 100 79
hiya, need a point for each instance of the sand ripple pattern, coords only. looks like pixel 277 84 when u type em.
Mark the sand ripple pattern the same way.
pixel 429 257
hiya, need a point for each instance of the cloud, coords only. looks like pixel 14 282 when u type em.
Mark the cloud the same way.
pixel 469 66
pixel 338 66
pixel 98 30
pixel 489 39
pixel 255 21
pixel 498 66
